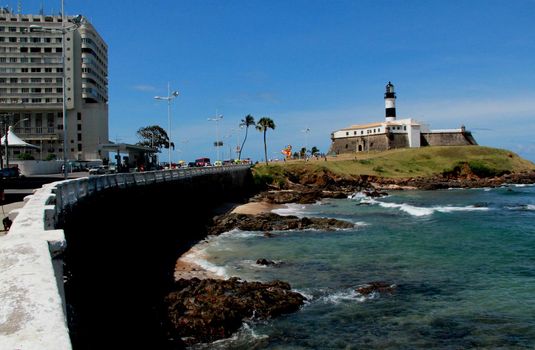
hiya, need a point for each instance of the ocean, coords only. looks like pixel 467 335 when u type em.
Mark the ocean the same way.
pixel 462 261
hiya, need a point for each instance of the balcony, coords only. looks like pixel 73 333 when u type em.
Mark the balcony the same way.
pixel 38 133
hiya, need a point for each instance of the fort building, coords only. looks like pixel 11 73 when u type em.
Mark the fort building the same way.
pixel 395 133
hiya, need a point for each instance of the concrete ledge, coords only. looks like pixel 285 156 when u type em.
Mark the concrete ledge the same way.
pixel 32 308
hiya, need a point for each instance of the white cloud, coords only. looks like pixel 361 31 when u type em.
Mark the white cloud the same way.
pixel 144 88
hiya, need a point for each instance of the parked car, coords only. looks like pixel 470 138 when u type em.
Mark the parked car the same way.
pixel 10 172
pixel 103 169
pixel 202 162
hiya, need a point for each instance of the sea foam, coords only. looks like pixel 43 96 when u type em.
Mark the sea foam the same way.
pixel 424 211
pixel 291 209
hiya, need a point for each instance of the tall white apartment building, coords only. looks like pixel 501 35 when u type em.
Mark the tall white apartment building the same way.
pixel 31 91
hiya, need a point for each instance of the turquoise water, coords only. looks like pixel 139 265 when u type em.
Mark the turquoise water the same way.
pixel 463 262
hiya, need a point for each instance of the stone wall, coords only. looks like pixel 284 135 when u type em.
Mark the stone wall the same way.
pixel 109 219
pixel 447 139
pixel 381 142
pixel 385 142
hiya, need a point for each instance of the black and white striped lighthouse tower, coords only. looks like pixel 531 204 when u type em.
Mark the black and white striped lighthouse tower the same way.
pixel 390 103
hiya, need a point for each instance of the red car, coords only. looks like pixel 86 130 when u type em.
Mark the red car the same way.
pixel 202 162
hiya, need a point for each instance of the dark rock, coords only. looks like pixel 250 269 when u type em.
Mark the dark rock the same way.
pixel 266 262
pixel 271 221
pixel 378 286
pixel 375 193
pixel 208 310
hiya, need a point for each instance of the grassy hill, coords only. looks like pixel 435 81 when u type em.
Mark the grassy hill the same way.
pixel 404 163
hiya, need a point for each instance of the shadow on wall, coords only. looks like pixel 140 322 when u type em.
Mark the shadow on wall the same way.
pixel 122 246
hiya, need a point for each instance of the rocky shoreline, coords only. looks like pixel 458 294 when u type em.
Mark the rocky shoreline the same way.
pixel 204 307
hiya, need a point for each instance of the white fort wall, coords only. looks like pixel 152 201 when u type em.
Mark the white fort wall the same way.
pixel 32 309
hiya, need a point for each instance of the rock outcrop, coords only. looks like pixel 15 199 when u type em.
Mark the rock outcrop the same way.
pixel 208 310
pixel 376 287
pixel 270 222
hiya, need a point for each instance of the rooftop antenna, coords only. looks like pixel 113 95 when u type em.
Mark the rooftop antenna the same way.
pixel 19 7
pixel 42 10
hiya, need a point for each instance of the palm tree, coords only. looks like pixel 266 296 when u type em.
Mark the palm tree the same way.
pixel 247 122
pixel 263 124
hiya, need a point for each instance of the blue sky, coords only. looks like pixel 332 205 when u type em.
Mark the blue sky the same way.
pixel 313 64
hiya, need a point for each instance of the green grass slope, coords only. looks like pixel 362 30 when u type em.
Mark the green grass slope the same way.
pixel 404 163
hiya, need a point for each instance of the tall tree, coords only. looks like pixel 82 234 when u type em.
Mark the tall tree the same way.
pixel 263 125
pixel 314 150
pixel 247 122
pixel 154 136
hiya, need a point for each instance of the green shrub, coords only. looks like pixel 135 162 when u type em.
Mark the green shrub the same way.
pixel 26 156
pixel 262 180
pixel 378 169
pixel 481 169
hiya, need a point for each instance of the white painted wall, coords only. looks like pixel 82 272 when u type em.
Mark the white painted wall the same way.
pixel 37 167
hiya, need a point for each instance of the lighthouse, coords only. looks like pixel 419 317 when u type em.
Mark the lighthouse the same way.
pixel 390 103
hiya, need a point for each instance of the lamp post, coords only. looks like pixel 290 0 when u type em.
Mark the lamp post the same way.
pixel 306 131
pixel 77 22
pixel 170 96
pixel 217 143
pixel 5 126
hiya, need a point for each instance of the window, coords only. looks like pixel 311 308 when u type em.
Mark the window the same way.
pixel 79 147
pixel 79 127
pixel 347 133
pixel 24 49
pixel 79 137
pixel 79 116
pixel 35 49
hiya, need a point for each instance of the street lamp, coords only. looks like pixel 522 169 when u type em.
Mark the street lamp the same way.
pixel 306 131
pixel 218 142
pixel 77 22
pixel 170 96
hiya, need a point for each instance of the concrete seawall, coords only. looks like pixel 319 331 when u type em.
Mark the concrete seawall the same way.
pixel 112 219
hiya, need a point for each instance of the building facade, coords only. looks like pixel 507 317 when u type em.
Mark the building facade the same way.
pixel 395 133
pixel 31 85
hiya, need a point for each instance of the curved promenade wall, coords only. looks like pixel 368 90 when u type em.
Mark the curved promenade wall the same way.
pixel 32 308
